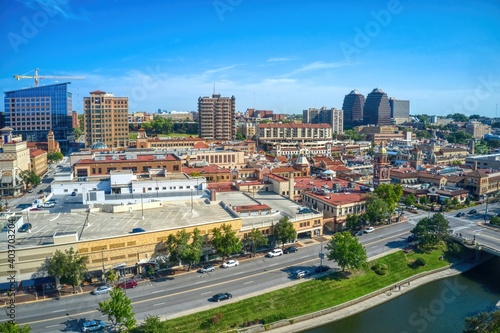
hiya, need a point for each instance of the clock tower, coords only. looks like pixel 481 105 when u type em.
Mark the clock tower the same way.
pixel 381 167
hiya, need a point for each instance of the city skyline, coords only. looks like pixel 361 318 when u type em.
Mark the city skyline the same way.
pixel 285 57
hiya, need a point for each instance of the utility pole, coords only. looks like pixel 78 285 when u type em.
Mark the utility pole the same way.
pixel 142 208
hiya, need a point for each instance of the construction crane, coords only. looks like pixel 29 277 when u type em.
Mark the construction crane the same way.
pixel 38 77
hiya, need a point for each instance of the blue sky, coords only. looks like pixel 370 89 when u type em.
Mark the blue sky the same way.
pixel 285 56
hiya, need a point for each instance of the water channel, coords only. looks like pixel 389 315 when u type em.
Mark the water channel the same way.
pixel 440 306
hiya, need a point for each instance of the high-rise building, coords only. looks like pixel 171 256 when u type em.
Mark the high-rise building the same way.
pixel 377 110
pixel 334 117
pixel 400 110
pixel 353 107
pixel 33 112
pixel 106 119
pixel 216 117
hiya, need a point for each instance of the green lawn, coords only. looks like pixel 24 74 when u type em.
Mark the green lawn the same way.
pixel 307 297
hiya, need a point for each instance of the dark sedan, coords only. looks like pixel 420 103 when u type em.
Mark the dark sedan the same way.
pixel 321 269
pixel 221 297
pixel 291 249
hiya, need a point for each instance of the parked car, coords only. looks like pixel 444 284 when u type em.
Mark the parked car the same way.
pixel 305 210
pixel 206 269
pixel 369 230
pixel 128 284
pixel 230 263
pixel 460 214
pixel 49 205
pixel 275 253
pixel 290 249
pixel 30 190
pixel 93 325
pixel 472 211
pixel 300 274
pixel 101 290
pixel 359 233
pixel 136 230
pixel 221 296
pixel 25 227
pixel 321 269
pixel 52 200
pixel 73 194
pixel 40 192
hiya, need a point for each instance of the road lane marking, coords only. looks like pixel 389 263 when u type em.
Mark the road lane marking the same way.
pixel 200 282
pixel 161 303
pixel 248 282
pixel 208 292
pixel 58 310
pixel 157 291
pixel 238 273
pixel 52 326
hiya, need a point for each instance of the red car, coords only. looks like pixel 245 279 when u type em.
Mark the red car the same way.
pixel 128 284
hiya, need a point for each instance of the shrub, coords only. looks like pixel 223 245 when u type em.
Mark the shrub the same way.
pixel 419 262
pixel 273 318
pixel 379 268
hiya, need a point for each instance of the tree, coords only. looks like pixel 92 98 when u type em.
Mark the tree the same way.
pixel 354 222
pixel 54 157
pixel 495 220
pixel 254 240
pixel 284 231
pixel 195 248
pixel 68 267
pixel 430 231
pixel 30 178
pixel 118 308
pixel 410 200
pixel 9 327
pixel 390 193
pixel 484 322
pixel 152 324
pixel 424 200
pixel 346 250
pixel 178 246
pixel 376 209
pixel 455 201
pixel 111 276
pixel 225 241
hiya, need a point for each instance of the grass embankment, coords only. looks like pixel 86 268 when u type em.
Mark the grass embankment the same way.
pixel 307 297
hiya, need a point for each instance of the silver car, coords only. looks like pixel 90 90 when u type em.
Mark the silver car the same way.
pixel 101 290
pixel 93 325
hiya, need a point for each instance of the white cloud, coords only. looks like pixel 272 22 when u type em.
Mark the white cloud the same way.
pixel 279 59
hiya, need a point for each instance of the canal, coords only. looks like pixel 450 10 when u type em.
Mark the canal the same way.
pixel 437 307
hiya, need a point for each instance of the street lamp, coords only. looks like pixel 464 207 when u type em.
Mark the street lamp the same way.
pixel 191 200
pixel 142 208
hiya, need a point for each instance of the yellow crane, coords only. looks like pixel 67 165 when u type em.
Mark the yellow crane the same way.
pixel 38 77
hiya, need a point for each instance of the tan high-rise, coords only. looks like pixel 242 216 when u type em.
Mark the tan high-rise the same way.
pixel 106 119
pixel 216 117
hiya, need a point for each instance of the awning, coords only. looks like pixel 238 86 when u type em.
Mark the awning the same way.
pixel 7 179
pixel 6 285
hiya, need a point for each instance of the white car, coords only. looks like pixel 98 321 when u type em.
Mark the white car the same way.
pixel 368 230
pixel 230 263
pixel 275 253
pixel 102 290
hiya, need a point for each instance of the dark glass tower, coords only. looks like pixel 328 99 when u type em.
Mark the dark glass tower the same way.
pixel 353 107
pixel 33 112
pixel 377 110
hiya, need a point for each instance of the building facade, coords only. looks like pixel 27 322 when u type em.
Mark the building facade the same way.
pixel 477 129
pixel 334 117
pixel 14 158
pixel 377 110
pixel 216 117
pixel 354 103
pixel 400 110
pixel 106 119
pixel 33 112
pixel 301 133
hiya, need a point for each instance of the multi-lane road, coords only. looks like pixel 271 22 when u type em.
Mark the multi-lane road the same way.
pixel 191 292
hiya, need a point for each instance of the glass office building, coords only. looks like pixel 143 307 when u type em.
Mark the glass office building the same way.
pixel 33 112
pixel 377 110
